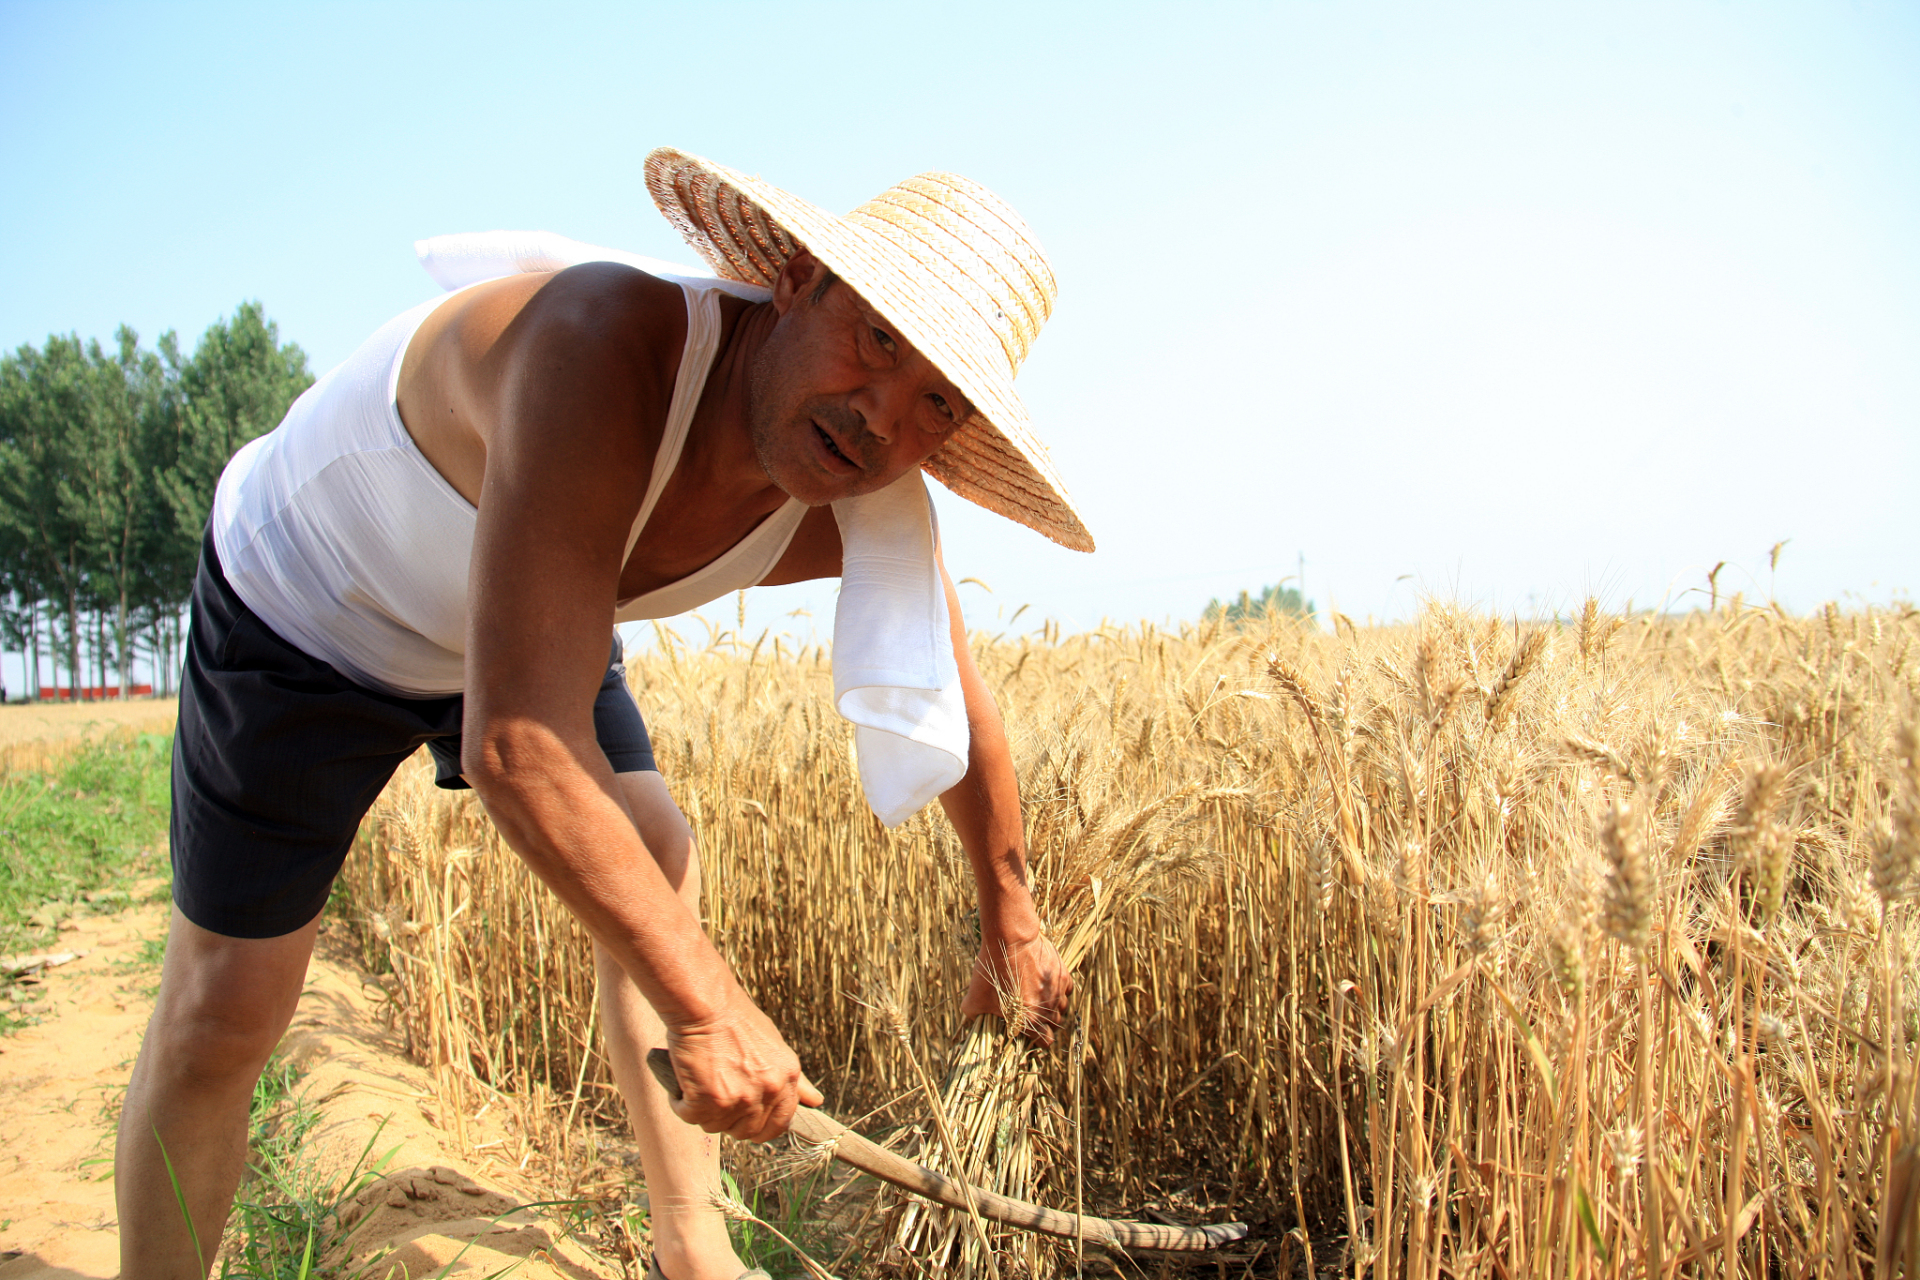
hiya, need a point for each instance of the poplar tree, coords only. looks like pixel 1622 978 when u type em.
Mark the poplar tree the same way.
pixel 108 487
pixel 108 463
pixel 237 386
pixel 44 396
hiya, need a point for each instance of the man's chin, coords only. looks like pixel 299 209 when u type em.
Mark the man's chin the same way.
pixel 818 489
pixel 814 490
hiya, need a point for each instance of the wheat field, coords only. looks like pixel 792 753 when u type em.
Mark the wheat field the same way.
pixel 1468 947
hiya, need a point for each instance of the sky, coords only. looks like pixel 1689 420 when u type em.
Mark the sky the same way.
pixel 1495 304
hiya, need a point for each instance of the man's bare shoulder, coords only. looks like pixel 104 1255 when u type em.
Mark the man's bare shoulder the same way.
pixel 602 310
pixel 591 351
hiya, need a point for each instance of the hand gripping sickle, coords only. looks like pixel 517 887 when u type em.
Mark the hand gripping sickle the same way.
pixel 821 1129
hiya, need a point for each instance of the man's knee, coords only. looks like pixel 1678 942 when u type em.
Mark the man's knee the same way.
pixel 224 1003
pixel 664 830
pixel 202 1046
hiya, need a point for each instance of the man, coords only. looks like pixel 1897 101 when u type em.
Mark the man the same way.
pixel 432 549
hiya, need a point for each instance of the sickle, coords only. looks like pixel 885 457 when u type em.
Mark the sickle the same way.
pixel 823 1130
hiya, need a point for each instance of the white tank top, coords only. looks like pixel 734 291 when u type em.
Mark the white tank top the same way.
pixel 336 530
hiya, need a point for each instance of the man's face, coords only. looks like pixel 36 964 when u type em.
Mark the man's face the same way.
pixel 839 403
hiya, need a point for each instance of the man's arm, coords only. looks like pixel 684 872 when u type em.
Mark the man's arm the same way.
pixel 574 375
pixel 1018 972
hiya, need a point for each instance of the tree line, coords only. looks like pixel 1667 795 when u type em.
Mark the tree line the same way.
pixel 108 461
pixel 1266 603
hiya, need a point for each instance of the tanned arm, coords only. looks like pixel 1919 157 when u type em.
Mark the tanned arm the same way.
pixel 570 380
pixel 1018 971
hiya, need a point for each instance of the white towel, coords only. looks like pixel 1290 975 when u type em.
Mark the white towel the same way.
pixel 894 676
pixel 455 262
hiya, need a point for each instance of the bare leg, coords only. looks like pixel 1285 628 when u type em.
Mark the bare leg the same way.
pixel 682 1163
pixel 224 1003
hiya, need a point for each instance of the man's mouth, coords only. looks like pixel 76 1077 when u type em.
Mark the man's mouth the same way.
pixel 832 448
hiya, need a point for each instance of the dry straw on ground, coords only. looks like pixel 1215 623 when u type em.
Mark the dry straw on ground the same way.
pixel 1542 950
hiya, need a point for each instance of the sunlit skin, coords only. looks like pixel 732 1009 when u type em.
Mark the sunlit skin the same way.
pixel 542 400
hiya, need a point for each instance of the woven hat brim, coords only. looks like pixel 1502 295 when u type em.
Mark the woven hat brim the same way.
pixel 995 460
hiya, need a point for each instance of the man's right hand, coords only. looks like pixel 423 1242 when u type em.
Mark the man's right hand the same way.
pixel 737 1075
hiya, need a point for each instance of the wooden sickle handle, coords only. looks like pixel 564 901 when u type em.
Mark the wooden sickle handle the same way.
pixel 822 1130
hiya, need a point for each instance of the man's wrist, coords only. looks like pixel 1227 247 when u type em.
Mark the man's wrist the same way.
pixel 686 1014
pixel 698 998
pixel 1010 916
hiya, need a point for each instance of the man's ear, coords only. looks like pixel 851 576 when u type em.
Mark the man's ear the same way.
pixel 797 277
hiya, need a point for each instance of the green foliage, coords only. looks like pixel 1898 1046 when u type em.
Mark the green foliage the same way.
pixel 279 1119
pixel 70 831
pixel 45 398
pixel 237 386
pixel 287 1219
pixel 180 1198
pixel 108 461
pixel 778 1247
pixel 288 1215
pixel 1271 601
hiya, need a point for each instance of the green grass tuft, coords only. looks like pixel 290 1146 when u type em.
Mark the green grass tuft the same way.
pixel 287 1218
pixel 72 836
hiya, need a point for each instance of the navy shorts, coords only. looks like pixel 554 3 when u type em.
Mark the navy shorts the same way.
pixel 277 757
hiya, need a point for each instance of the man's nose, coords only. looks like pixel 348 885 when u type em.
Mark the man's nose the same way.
pixel 884 404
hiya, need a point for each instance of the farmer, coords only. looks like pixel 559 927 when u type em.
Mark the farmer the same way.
pixel 433 548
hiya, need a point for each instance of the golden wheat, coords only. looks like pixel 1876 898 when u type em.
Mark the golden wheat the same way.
pixel 1573 950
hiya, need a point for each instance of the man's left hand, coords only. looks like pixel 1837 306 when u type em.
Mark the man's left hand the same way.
pixel 1024 982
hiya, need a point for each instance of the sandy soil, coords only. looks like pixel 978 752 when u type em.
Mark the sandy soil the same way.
pixel 60 1087
pixel 51 722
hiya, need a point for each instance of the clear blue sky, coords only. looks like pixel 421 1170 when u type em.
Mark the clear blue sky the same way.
pixel 1499 303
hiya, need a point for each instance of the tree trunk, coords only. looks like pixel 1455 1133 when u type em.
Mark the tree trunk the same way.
pixel 33 647
pixel 120 638
pixel 73 642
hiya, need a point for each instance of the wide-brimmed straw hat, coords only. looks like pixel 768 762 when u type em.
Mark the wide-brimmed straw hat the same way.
pixel 946 261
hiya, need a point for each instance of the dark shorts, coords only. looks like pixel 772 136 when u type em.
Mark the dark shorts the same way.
pixel 277 757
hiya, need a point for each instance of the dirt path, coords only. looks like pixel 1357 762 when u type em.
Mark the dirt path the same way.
pixel 61 1082
pixel 60 1088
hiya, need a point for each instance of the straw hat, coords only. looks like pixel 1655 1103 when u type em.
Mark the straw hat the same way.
pixel 945 260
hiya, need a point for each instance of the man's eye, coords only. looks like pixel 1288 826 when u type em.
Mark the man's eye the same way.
pixel 884 338
pixel 941 406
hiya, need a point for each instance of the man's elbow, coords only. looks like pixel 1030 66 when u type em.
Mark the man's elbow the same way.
pixel 499 759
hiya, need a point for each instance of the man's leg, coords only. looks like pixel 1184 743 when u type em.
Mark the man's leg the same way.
pixel 682 1162
pixel 224 1003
